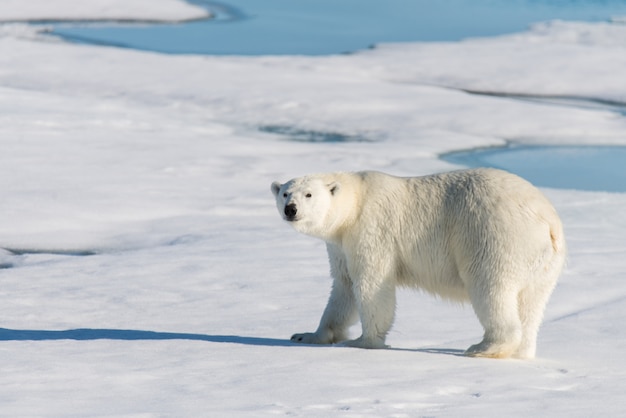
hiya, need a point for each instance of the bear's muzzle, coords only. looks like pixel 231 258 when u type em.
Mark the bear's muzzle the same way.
pixel 290 212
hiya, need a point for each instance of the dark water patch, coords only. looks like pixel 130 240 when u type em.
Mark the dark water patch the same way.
pixel 22 257
pixel 592 168
pixel 32 251
pixel 580 102
pixel 293 133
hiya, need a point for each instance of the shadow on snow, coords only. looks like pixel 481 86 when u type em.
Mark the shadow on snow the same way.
pixel 90 334
pixel 85 334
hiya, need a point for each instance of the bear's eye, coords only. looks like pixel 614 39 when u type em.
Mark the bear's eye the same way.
pixel 285 195
pixel 307 195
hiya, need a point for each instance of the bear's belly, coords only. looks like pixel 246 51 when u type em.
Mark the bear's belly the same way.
pixel 441 279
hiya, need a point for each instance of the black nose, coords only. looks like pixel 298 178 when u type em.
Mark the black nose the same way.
pixel 290 211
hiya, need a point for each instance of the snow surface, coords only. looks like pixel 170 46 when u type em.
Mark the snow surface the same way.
pixel 146 273
pixel 143 10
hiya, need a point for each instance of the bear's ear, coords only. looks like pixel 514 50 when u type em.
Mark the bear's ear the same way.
pixel 333 187
pixel 276 188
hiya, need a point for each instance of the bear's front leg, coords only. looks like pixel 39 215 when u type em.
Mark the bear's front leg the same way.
pixel 339 315
pixel 377 306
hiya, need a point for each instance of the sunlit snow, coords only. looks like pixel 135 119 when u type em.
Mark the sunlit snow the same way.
pixel 145 272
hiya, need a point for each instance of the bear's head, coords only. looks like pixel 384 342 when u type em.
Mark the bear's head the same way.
pixel 307 204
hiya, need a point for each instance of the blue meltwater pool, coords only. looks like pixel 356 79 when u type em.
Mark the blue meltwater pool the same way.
pixel 597 168
pixel 320 27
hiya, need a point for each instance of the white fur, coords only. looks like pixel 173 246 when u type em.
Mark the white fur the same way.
pixel 481 235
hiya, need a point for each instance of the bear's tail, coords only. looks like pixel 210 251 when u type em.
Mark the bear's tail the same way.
pixel 557 239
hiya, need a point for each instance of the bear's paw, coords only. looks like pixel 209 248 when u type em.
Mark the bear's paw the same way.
pixel 309 338
pixel 369 343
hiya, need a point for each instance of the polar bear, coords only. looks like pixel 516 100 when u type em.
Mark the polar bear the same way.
pixel 481 235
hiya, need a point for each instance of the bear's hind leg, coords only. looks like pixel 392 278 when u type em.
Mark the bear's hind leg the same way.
pixel 531 305
pixel 497 311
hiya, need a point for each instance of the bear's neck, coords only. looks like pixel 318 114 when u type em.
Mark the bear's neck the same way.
pixel 342 220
